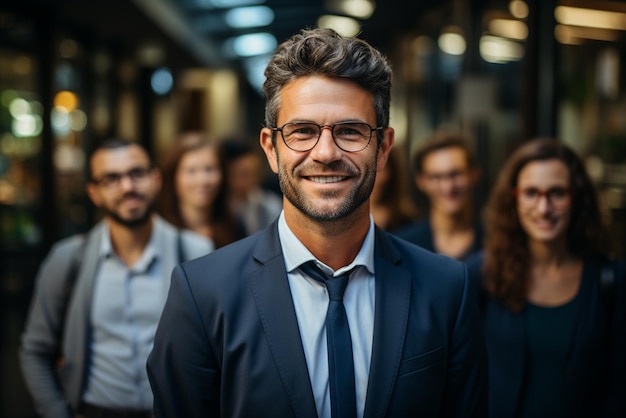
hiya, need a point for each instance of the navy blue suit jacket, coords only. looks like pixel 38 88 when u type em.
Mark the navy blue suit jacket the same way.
pixel 595 375
pixel 228 343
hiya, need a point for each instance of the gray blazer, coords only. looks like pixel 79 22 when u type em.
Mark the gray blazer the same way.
pixel 57 388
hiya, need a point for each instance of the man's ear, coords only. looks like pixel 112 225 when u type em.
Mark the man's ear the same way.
pixel 157 178
pixel 93 193
pixel 265 138
pixel 385 148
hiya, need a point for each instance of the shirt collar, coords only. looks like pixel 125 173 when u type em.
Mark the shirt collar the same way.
pixel 296 254
pixel 149 253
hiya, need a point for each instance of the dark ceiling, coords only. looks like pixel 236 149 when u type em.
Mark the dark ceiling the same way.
pixel 173 24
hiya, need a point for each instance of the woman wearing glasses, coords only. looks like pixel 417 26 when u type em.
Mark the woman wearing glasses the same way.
pixel 553 305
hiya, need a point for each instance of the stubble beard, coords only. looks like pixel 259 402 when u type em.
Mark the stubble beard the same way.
pixel 130 223
pixel 356 198
pixel 133 222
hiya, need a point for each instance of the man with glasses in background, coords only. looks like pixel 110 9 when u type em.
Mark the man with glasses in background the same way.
pixel 98 297
pixel 321 314
pixel 445 173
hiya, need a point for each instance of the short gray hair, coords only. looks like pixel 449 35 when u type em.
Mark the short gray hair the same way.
pixel 324 52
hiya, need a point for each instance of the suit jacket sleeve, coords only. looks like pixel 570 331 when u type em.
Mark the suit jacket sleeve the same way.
pixel 466 393
pixel 41 343
pixel 183 371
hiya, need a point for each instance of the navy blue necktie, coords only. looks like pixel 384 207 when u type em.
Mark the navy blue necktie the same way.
pixel 340 363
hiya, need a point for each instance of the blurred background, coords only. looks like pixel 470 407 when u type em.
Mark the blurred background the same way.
pixel 73 72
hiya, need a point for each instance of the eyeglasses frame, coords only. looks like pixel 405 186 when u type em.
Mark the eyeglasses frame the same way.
pixel 321 128
pixel 517 191
pixel 131 174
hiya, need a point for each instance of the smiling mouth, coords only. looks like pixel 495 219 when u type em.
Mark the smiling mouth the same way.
pixel 327 179
pixel 546 223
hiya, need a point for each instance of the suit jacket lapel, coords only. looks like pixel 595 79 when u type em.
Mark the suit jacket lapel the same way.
pixel 272 295
pixel 393 295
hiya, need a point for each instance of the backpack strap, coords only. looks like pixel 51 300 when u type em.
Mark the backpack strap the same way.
pixel 70 281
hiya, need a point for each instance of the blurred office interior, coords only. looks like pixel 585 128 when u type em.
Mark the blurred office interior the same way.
pixel 73 72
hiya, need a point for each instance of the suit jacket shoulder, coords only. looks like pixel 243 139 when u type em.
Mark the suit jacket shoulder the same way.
pixel 433 271
pixel 221 280
pixel 230 321
pixel 195 245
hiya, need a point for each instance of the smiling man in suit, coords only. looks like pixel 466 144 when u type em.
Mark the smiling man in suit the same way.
pixel 259 329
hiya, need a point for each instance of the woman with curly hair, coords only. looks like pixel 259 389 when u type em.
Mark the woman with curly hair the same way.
pixel 193 195
pixel 553 304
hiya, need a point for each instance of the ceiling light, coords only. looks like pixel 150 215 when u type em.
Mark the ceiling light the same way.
pixel 345 26
pixel 213 4
pixel 19 107
pixel 451 41
pixel 250 45
pixel 518 9
pixel 26 126
pixel 564 36
pixel 162 81
pixel 249 17
pixel 67 100
pixel 499 50
pixel 362 9
pixel 590 18
pixel 573 35
pixel 507 28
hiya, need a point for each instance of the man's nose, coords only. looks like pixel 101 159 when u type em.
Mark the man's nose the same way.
pixel 127 182
pixel 326 150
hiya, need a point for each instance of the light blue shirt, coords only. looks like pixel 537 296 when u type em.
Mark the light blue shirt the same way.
pixel 126 308
pixel 310 299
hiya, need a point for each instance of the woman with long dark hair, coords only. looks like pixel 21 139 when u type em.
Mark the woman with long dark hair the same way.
pixel 193 195
pixel 553 303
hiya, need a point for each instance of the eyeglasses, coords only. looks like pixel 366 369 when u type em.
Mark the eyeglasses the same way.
pixel 557 196
pixel 453 176
pixel 348 136
pixel 110 180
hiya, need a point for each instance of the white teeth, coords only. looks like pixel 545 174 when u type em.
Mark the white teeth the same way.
pixel 333 179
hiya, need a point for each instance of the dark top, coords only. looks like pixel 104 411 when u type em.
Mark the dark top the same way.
pixel 549 331
pixel 594 364
pixel 421 233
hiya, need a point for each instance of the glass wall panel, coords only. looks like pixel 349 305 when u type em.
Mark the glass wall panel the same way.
pixel 592 99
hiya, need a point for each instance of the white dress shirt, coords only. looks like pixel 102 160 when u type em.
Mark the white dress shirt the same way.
pixel 310 299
